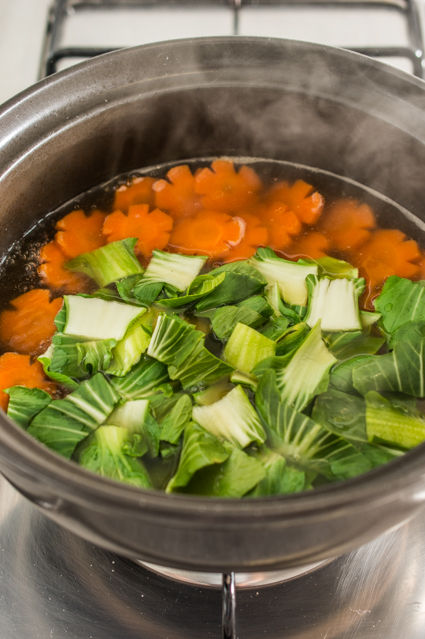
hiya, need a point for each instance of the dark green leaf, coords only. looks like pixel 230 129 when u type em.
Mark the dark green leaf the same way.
pixel 233 478
pixel 200 449
pixel 400 302
pixel 26 403
pixel 103 453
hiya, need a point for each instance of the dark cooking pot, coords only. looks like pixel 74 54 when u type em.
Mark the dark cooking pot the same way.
pixel 264 98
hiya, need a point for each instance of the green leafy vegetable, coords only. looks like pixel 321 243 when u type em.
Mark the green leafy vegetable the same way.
pixel 401 301
pixel 173 340
pixel 92 318
pixel 26 403
pixel 301 440
pixel 303 374
pixel 241 282
pixel 76 357
pixel 199 369
pixel 335 302
pixel 334 268
pixel 65 422
pixel 233 478
pixel 290 276
pixel 402 370
pixel 109 263
pixel 200 449
pixel 104 453
pixel 390 425
pixel 226 318
pixel 178 271
pixel 280 479
pixel 143 380
pixel 200 287
pixel 176 420
pixel 246 348
pixel 346 345
pixel 232 418
pixel 129 350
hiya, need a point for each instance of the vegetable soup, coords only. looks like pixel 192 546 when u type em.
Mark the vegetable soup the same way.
pixel 219 328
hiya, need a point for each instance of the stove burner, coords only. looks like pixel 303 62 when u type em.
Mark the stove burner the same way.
pixel 242 580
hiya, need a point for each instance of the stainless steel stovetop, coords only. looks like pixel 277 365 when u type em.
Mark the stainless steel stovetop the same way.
pixel 55 585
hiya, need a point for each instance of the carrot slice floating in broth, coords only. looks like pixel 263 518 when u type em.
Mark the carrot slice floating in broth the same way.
pixel 388 252
pixel 28 327
pixel 17 370
pixel 224 189
pixel 313 245
pixel 348 223
pixel 255 235
pixel 211 233
pixel 54 274
pixel 299 198
pixel 282 224
pixel 139 191
pixel 177 194
pixel 153 229
pixel 79 233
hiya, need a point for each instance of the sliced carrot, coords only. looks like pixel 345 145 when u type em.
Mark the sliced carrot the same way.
pixel 312 245
pixel 348 223
pixel 28 327
pixel 79 233
pixel 56 276
pixel 211 233
pixel 299 198
pixel 177 194
pixel 282 224
pixel 223 189
pixel 153 229
pixel 138 191
pixel 17 370
pixel 255 235
pixel 388 252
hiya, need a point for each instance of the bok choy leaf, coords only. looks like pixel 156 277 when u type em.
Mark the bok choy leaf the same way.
pixel 109 263
pixel 26 403
pixel 200 449
pixel 105 452
pixel 65 422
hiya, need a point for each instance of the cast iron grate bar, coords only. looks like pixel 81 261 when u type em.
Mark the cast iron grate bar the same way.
pixel 53 52
pixel 228 622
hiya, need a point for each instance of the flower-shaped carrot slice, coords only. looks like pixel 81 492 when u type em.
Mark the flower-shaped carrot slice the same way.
pixel 79 233
pixel 348 223
pixel 282 224
pixel 56 276
pixel 312 245
pixel 153 229
pixel 211 233
pixel 177 194
pixel 17 370
pixel 299 198
pixel 388 252
pixel 224 189
pixel 255 235
pixel 28 327
pixel 139 191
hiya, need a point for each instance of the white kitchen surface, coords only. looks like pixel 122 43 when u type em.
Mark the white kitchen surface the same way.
pixel 23 23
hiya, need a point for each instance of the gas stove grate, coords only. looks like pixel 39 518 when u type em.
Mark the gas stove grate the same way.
pixel 54 52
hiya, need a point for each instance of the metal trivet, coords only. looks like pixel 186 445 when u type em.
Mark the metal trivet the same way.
pixel 53 52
